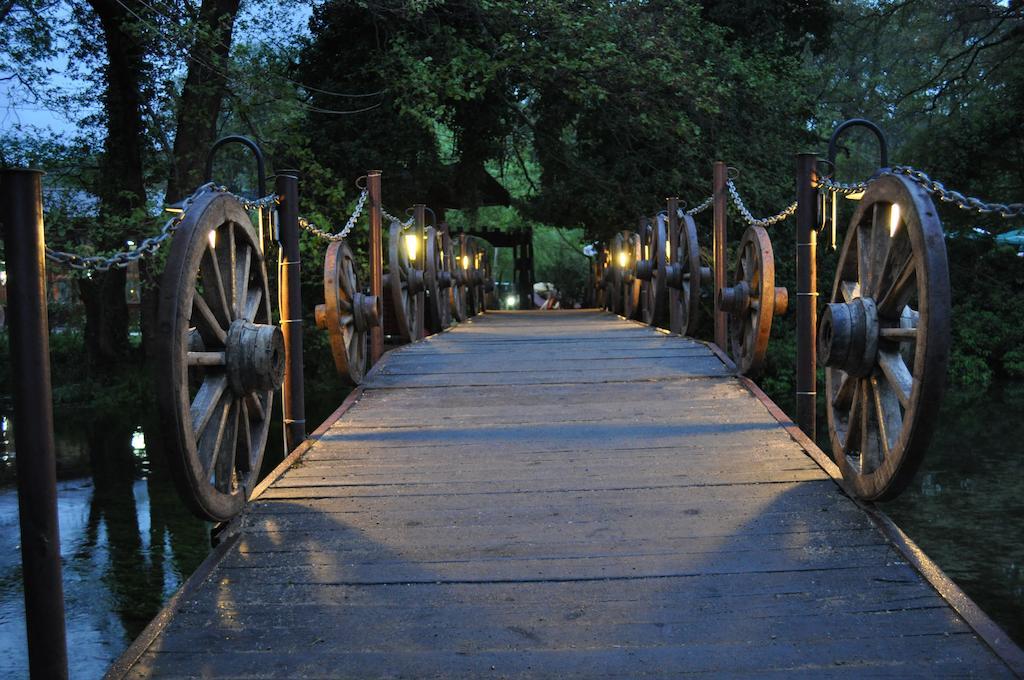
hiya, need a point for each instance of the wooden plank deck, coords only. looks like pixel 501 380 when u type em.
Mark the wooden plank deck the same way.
pixel 558 495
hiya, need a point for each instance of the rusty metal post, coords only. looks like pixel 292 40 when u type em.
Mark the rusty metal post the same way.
pixel 675 324
pixel 376 251
pixel 720 178
pixel 293 390
pixel 419 214
pixel 21 214
pixel 807 292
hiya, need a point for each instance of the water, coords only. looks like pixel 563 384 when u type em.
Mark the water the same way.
pixel 127 542
pixel 965 507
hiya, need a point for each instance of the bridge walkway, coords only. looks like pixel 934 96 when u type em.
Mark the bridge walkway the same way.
pixel 556 494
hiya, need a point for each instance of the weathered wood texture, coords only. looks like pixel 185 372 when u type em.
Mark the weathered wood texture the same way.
pixel 560 495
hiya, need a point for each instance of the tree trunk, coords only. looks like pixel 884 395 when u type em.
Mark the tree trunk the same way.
pixel 201 97
pixel 196 129
pixel 122 190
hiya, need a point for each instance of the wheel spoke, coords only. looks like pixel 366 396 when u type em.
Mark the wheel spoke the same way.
pixel 863 237
pixel 205 403
pixel 853 426
pixel 870 451
pixel 227 267
pixel 206 358
pixel 243 450
pixel 898 334
pixel 242 268
pixel 211 440
pixel 254 407
pixel 887 411
pixel 252 303
pixel 898 375
pixel 210 328
pixel 213 287
pixel 224 466
pixel 843 398
pixel 850 290
pixel 892 302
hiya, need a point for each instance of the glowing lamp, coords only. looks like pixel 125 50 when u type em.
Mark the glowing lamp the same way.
pixel 894 219
pixel 623 259
pixel 412 245
pixel 465 261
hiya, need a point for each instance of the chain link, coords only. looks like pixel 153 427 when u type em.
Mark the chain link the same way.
pixel 149 246
pixel 963 202
pixel 701 207
pixel 749 218
pixel 391 218
pixel 840 187
pixel 326 235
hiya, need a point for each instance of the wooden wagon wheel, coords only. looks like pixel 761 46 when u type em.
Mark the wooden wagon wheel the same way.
pixel 402 281
pixel 220 358
pixel 601 271
pixel 752 301
pixel 685 276
pixel 884 338
pixel 474 277
pixel 347 314
pixel 655 272
pixel 457 290
pixel 437 279
pixel 631 283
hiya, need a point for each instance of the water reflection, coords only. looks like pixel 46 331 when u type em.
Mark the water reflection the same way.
pixel 964 507
pixel 126 541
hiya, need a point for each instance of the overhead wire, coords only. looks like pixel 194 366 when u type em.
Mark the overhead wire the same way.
pixel 226 76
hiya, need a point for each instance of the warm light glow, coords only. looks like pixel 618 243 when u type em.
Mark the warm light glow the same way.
pixel 894 219
pixel 510 301
pixel 856 196
pixel 412 245
pixel 623 259
pixel 213 238
pixel 173 209
pixel 465 261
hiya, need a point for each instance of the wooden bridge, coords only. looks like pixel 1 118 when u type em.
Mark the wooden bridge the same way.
pixel 563 494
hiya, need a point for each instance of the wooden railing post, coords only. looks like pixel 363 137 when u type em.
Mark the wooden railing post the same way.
pixel 293 388
pixel 807 292
pixel 376 252
pixel 21 214
pixel 720 196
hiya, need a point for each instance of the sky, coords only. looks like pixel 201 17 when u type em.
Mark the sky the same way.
pixel 19 108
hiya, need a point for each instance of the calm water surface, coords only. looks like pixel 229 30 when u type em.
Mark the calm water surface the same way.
pixel 127 543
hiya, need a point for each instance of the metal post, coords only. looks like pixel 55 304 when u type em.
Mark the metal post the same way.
pixel 718 211
pixel 807 292
pixel 376 261
pixel 675 323
pixel 21 214
pixel 292 391
pixel 419 214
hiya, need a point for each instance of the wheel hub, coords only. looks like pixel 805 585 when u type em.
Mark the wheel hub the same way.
pixel 254 356
pixel 848 336
pixel 735 300
pixel 365 312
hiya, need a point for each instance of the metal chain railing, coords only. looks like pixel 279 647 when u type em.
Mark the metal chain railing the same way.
pixel 700 207
pixel 391 218
pixel 749 218
pixel 840 187
pixel 149 246
pixel 963 202
pixel 936 188
pixel 328 236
